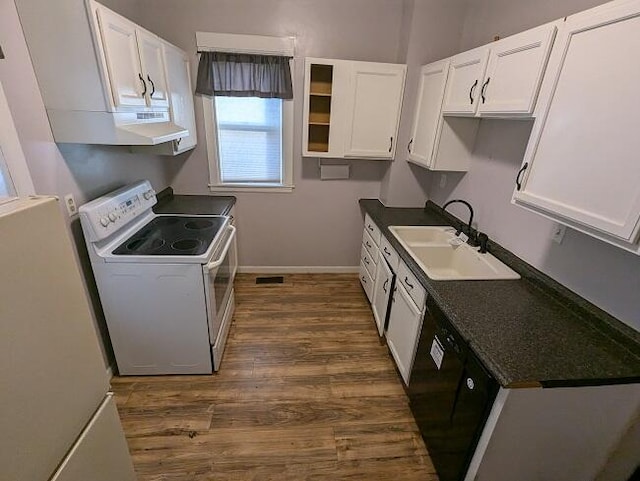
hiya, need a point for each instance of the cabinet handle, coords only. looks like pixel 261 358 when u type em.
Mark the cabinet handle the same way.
pixel 364 280
pixel 386 251
pixel 153 87
pixel 178 142
pixel 367 244
pixel 472 90
pixel 406 281
pixel 409 146
pixel 369 227
pixel 484 87
pixel 144 85
pixel 384 286
pixel 366 261
pixel 520 172
pixel 390 144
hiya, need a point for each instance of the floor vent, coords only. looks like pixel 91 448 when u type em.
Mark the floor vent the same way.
pixel 270 280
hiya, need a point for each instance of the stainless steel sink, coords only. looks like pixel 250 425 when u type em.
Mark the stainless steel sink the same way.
pixel 442 256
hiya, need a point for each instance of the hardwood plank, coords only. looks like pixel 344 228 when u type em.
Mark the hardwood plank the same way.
pixel 306 391
pixel 377 441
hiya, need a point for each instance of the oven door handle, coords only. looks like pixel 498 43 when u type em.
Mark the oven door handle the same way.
pixel 213 264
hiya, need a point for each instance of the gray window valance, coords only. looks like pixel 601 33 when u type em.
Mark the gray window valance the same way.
pixel 244 75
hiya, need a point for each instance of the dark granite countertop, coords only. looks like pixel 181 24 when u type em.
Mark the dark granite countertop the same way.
pixel 169 203
pixel 527 332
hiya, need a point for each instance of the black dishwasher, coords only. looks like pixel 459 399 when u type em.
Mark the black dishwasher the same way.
pixel 450 394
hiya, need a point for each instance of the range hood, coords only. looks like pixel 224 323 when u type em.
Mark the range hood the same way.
pixel 113 128
pixel 70 65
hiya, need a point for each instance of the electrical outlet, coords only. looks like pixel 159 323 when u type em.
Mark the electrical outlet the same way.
pixel 70 204
pixel 443 181
pixel 558 233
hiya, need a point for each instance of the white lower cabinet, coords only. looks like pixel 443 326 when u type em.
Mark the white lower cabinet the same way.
pixel 382 288
pixel 405 322
pixel 367 281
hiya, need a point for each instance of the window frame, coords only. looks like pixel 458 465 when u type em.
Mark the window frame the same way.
pixel 211 137
pixel 16 164
pixel 255 44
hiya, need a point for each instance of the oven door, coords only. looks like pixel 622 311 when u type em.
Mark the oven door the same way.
pixel 218 275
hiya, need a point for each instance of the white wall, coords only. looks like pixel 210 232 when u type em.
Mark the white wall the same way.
pixel 607 276
pixel 319 224
pixel 84 171
pixel 435 29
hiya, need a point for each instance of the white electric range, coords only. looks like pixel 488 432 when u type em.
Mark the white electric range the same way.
pixel 165 282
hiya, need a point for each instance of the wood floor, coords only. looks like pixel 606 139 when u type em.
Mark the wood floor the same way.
pixel 306 392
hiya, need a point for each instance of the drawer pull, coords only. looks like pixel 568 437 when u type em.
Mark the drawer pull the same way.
pixel 386 251
pixel 370 228
pixel 364 280
pixel 367 244
pixel 366 260
pixel 406 281
pixel 384 286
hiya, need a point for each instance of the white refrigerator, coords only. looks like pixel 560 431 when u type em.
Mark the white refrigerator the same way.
pixel 57 417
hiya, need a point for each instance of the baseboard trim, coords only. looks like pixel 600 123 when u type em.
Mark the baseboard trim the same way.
pixel 298 269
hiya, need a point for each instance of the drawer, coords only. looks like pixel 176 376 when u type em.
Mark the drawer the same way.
pixel 369 244
pixel 411 285
pixel 389 253
pixel 367 281
pixel 372 229
pixel 367 260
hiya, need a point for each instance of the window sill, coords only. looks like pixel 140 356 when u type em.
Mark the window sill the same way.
pixel 278 188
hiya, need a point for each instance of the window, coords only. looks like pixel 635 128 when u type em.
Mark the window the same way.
pixel 249 139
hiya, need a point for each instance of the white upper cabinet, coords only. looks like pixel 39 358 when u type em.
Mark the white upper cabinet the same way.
pixel 428 113
pixel 134 62
pixel 499 79
pixel 181 96
pixel 153 68
pixel 514 72
pixel 351 109
pixel 581 166
pixel 466 73
pixel 374 112
pixel 120 48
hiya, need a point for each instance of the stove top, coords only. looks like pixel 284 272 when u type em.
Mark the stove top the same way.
pixel 172 236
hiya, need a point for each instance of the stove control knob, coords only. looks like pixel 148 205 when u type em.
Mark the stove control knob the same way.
pixel 104 221
pixel 148 194
pixel 112 217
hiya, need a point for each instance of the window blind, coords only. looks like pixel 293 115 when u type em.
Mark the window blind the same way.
pixel 249 139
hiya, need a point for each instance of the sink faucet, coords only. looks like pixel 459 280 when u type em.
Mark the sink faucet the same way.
pixel 460 201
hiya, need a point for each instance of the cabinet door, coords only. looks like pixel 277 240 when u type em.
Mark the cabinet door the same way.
pixel 123 62
pixel 382 293
pixel 152 61
pixel 514 72
pixel 180 95
pixel 428 115
pixel 374 113
pixel 581 165
pixel 405 321
pixel 466 72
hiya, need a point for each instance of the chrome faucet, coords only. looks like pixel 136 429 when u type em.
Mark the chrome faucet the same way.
pixel 472 239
